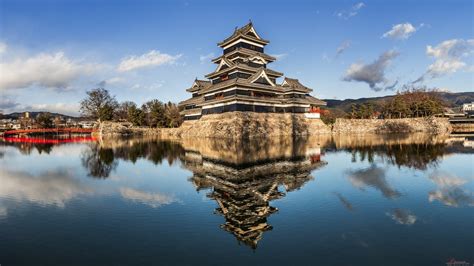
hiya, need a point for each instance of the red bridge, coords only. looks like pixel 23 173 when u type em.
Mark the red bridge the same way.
pixel 49 131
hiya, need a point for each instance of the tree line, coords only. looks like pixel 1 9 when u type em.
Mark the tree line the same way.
pixel 409 103
pixel 101 105
pixel 413 103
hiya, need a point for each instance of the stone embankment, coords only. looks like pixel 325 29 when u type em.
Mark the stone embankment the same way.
pixel 432 125
pixel 241 125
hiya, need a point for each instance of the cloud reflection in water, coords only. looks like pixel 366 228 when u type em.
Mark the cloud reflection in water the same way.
pixel 372 176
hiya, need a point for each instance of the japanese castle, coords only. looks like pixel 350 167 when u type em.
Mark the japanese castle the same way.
pixel 242 82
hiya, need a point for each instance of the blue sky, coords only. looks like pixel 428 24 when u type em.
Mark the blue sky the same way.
pixel 51 52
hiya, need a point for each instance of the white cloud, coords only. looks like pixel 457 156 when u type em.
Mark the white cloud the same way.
pixel 400 31
pixel 3 47
pixel 111 81
pixel 148 87
pixel 373 73
pixel 115 80
pixel 448 57
pixel 151 199
pixel 45 70
pixel 205 58
pixel 343 47
pixel 150 59
pixel 280 56
pixel 346 14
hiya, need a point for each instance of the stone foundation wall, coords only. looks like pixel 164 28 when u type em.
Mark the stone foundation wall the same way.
pixel 405 125
pixel 246 125
pixel 249 125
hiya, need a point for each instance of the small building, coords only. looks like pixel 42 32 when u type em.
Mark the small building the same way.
pixel 86 124
pixel 468 108
pixel 242 81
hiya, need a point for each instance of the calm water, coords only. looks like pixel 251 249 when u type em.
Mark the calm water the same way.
pixel 393 200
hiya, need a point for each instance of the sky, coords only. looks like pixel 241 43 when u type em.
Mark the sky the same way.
pixel 52 52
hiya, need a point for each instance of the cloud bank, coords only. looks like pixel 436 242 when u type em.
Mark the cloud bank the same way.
pixel 46 70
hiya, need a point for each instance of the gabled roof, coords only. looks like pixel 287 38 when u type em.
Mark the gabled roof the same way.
pixel 294 84
pixel 247 32
pixel 259 74
pixel 222 62
pixel 199 85
pixel 247 52
pixel 244 67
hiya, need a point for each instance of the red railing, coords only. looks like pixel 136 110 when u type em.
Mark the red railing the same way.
pixel 49 130
pixel 49 141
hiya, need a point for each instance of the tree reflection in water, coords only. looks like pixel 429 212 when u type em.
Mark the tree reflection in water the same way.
pixel 98 161
pixel 417 156
pixel 27 148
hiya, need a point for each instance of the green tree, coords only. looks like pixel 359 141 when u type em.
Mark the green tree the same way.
pixel 136 116
pixel 99 104
pixel 155 110
pixel 122 111
pixel 353 111
pixel 172 115
pixel 414 102
pixel 45 120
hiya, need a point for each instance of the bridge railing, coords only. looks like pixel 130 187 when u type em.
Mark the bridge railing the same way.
pixel 48 130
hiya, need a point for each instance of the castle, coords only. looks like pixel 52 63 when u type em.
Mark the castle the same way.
pixel 242 82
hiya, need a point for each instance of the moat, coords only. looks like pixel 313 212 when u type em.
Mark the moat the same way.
pixel 346 200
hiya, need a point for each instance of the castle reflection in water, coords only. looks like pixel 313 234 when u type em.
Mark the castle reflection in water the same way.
pixel 244 177
pixel 244 183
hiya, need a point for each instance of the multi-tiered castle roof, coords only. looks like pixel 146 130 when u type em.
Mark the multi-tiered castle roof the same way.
pixel 243 82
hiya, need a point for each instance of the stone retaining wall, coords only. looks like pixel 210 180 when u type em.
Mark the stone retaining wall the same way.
pixel 405 125
pixel 250 125
pixel 243 125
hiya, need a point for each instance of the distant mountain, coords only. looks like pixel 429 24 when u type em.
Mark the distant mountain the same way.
pixel 17 115
pixel 452 100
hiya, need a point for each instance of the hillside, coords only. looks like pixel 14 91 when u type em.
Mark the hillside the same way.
pixel 17 115
pixel 451 100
